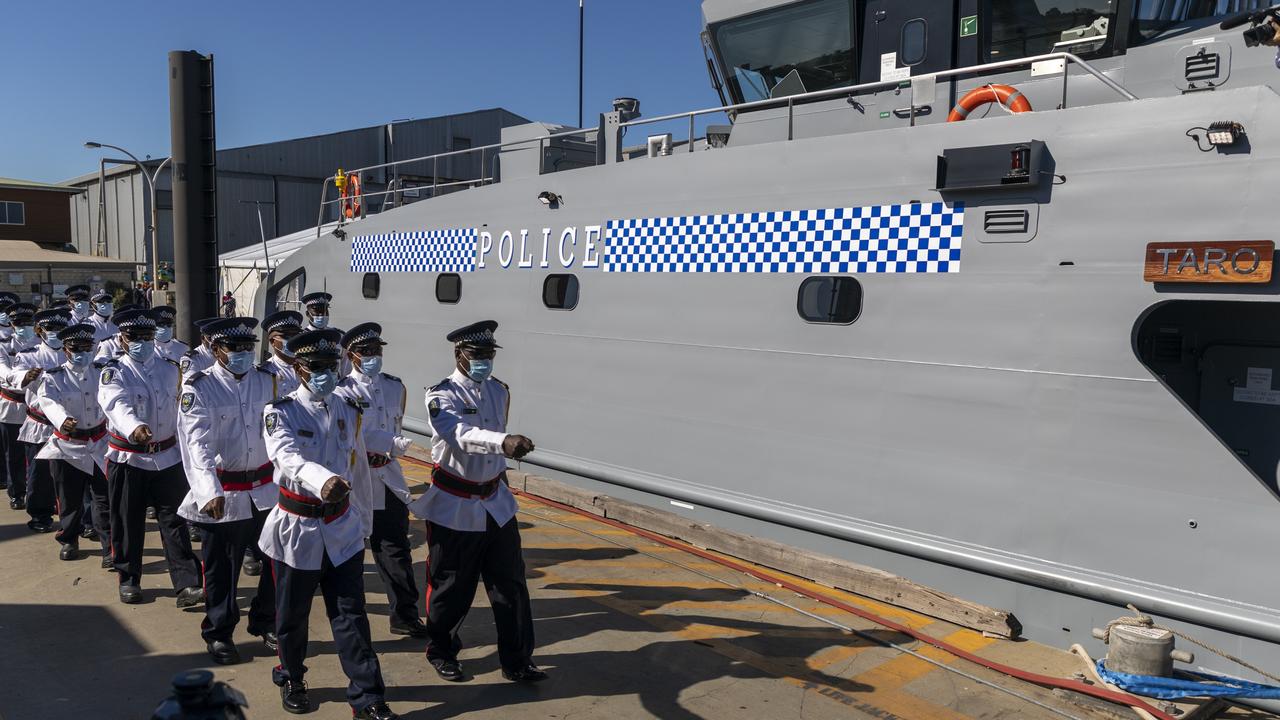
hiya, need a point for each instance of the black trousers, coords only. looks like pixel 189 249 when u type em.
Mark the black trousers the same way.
pixel 72 484
pixel 223 548
pixel 394 560
pixel 14 469
pixel 40 495
pixel 130 490
pixel 343 589
pixel 456 560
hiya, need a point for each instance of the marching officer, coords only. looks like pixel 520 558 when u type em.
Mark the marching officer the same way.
pixel 200 357
pixel 13 403
pixel 68 397
pixel 317 305
pixel 316 532
pixel 279 327
pixel 167 345
pixel 471 525
pixel 139 394
pixel 103 307
pixel 220 425
pixel 25 373
pixel 382 398
pixel 81 308
pixel 110 347
pixel 7 301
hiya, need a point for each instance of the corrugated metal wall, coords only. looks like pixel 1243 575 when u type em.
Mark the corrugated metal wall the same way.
pixel 289 174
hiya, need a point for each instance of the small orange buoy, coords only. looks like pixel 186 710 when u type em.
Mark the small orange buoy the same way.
pixel 1006 95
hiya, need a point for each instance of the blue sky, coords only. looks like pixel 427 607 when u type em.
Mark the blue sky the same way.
pixel 79 71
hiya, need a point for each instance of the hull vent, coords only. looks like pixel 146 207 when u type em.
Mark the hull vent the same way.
pixel 1004 222
pixel 1203 66
pixel 1166 347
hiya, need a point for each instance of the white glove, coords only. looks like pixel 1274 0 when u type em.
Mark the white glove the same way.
pixel 400 445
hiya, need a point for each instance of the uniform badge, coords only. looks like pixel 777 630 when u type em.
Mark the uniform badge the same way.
pixel 188 399
pixel 433 407
pixel 107 376
pixel 184 364
pixel 272 422
pixel 342 425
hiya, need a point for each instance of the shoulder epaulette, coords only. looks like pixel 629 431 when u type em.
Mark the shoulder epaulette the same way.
pixel 28 350
pixel 504 385
pixel 189 353
pixel 353 403
pixel 281 401
pixel 194 377
pixel 439 385
pixel 112 361
pixel 99 364
pixel 392 377
pixel 265 367
pixel 172 362
pixel 54 371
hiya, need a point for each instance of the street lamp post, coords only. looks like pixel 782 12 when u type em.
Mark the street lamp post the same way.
pixel 154 228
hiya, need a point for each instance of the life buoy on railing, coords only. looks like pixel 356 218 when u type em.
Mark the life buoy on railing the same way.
pixel 349 188
pixel 1006 95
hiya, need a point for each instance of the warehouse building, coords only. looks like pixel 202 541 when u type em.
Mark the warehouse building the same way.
pixel 272 190
pixel 35 212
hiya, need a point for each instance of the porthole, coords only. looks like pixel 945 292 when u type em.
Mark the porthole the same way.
pixel 371 286
pixel 560 292
pixel 449 288
pixel 913 46
pixel 830 300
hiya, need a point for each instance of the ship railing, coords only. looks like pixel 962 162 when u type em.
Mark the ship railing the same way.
pixel 490 152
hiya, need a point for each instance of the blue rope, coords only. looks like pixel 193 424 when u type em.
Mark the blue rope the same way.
pixel 1208 685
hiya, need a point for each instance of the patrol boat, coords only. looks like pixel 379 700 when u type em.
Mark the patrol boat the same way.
pixel 979 292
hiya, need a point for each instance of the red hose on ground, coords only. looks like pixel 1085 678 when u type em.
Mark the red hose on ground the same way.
pixel 1043 680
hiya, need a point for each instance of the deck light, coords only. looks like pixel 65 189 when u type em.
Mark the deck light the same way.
pixel 548 198
pixel 1225 133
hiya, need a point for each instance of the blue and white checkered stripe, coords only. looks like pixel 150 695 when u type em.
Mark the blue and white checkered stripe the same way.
pixel 914 238
pixel 421 251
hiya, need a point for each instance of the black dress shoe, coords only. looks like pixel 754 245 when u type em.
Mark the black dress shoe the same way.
pixel 107 564
pixel 450 670
pixel 194 533
pixel 130 594
pixel 151 513
pixel 412 628
pixel 223 652
pixel 69 552
pixel 17 504
pixel 293 698
pixel 190 597
pixel 268 636
pixel 89 533
pixel 376 711
pixel 527 674
pixel 40 526
pixel 252 567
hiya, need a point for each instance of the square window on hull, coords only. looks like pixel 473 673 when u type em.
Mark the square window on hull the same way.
pixel 449 288
pixel 560 292
pixel 830 300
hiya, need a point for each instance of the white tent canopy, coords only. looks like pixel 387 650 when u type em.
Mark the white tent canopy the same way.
pixel 242 270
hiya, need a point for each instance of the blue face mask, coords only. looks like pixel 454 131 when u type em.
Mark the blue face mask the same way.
pixel 239 362
pixel 82 307
pixel 142 350
pixel 322 383
pixel 24 333
pixel 320 321
pixel 81 359
pixel 371 365
pixel 4 319
pixel 480 370
pixel 164 333
pixel 103 309
pixel 53 342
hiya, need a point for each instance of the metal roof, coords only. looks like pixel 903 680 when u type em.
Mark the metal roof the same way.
pixel 251 256
pixel 25 252
pixel 16 184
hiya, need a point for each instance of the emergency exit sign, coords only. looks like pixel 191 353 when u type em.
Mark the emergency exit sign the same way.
pixel 969 26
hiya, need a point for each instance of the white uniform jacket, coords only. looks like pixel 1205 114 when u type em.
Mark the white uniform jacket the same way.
pixel 197 360
pixel 173 350
pixel 286 377
pixel 469 422
pixel 311 440
pixel 13 400
pixel 103 328
pixel 382 397
pixel 70 393
pixel 109 348
pixel 134 394
pixel 220 428
pixel 35 428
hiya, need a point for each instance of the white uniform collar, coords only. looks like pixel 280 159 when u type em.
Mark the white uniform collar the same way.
pixel 223 372
pixel 465 380
pixel 358 375
pixel 305 395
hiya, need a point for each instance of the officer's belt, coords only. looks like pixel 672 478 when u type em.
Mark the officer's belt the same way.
pixel 38 416
pixel 455 485
pixel 301 505
pixel 241 480
pixel 377 460
pixel 13 396
pixel 115 442
pixel 93 434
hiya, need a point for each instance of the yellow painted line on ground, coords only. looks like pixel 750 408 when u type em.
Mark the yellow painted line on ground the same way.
pixel 905 669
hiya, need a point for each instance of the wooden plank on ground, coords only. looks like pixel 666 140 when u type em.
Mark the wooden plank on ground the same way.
pixel 833 572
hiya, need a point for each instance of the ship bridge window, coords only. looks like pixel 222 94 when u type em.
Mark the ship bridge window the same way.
pixel 1022 28
pixel 813 39
pixel 371 286
pixel 1155 19
pixel 831 300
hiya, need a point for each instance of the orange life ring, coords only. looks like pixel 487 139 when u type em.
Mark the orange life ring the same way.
pixel 351 196
pixel 1006 95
